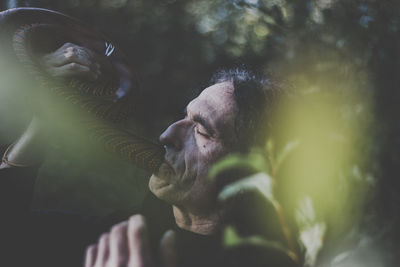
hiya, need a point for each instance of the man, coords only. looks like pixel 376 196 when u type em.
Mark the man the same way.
pixel 228 116
pixel 192 144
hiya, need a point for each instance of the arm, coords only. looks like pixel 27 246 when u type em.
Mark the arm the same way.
pixel 21 160
pixel 18 170
pixel 27 151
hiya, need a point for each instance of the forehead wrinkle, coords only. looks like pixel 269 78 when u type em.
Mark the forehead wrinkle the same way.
pixel 218 91
pixel 214 95
pixel 195 108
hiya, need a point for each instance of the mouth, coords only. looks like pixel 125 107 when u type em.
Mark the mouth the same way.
pixel 165 169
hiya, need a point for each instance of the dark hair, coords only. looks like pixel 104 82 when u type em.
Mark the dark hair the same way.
pixel 254 96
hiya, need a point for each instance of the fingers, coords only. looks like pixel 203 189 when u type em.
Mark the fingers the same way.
pixel 103 249
pixel 69 53
pixel 119 245
pixel 139 247
pixel 73 69
pixel 125 245
pixel 90 258
pixel 168 253
pixel 71 59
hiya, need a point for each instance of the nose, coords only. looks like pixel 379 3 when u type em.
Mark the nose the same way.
pixel 174 135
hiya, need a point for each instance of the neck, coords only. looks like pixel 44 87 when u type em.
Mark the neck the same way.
pixel 206 223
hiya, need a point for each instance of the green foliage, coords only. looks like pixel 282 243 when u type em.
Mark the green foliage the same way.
pixel 232 239
pixel 348 48
pixel 254 161
pixel 311 231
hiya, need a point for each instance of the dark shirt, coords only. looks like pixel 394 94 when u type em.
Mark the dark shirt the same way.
pixel 58 238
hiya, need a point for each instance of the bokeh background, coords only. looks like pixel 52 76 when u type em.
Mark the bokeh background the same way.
pixel 340 58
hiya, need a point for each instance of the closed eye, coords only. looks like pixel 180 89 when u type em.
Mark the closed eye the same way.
pixel 201 131
pixel 203 125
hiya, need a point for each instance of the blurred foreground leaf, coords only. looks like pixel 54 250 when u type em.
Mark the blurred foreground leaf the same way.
pixel 256 250
pixel 253 162
pixel 311 231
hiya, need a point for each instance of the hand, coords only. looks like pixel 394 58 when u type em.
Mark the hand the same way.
pixel 127 245
pixel 72 60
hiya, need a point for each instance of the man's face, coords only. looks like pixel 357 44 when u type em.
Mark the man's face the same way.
pixel 193 144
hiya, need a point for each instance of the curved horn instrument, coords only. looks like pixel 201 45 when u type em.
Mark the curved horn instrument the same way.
pixel 31 32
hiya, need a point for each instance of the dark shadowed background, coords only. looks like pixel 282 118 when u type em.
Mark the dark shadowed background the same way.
pixel 346 46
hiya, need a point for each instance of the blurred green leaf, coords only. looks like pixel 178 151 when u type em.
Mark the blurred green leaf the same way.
pixel 259 182
pixel 262 252
pixel 289 147
pixel 254 161
pixel 232 239
pixel 311 231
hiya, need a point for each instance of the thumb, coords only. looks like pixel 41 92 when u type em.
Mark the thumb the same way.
pixel 168 253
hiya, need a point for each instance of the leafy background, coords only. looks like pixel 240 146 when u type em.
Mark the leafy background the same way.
pixel 348 48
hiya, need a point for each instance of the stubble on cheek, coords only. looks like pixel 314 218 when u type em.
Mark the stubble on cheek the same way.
pixel 165 172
